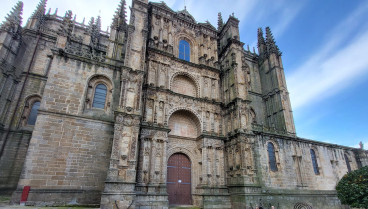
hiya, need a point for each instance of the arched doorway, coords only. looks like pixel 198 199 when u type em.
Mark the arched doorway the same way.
pixel 179 179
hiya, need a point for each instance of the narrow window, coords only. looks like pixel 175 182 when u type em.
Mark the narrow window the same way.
pixel 272 156
pixel 184 50
pixel 314 162
pixel 347 163
pixel 100 96
pixel 33 114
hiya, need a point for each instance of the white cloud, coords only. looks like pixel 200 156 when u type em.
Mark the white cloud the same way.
pixel 287 15
pixel 334 66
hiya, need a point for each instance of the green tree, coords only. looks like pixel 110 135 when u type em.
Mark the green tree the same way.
pixel 352 189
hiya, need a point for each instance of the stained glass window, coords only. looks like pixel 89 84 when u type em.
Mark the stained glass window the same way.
pixel 33 114
pixel 184 50
pixel 272 156
pixel 100 96
pixel 314 162
pixel 347 163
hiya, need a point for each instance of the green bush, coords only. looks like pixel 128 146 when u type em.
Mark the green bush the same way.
pixel 352 189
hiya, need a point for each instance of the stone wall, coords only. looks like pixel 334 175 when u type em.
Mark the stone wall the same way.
pixel 79 165
pixel 295 168
pixel 13 158
pixel 70 149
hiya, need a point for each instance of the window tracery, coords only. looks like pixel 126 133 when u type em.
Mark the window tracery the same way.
pixel 314 161
pixel 272 156
pixel 184 50
pixel 99 98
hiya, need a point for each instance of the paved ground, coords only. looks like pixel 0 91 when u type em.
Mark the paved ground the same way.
pixel 4 203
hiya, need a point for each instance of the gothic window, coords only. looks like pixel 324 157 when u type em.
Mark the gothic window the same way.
pixel 314 162
pixel 271 156
pixel 99 99
pixel 30 111
pixel 99 94
pixel 347 162
pixel 184 50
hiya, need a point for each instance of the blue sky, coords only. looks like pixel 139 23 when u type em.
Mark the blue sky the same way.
pixel 324 45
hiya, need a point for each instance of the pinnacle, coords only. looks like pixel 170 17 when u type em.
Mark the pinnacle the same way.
pixel 98 23
pixel 14 18
pixel 261 40
pixel 120 15
pixel 220 22
pixel 270 42
pixel 269 37
pixel 40 9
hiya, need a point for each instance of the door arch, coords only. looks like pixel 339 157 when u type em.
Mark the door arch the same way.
pixel 179 179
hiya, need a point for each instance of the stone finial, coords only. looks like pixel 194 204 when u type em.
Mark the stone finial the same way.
pixel 361 145
pixel 67 25
pixel 14 19
pixel 270 43
pixel 220 22
pixel 56 11
pixel 120 15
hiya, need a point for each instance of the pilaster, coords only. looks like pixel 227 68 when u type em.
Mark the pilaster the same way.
pixel 152 168
pixel 121 177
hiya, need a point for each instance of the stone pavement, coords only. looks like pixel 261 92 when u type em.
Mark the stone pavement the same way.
pixel 4 203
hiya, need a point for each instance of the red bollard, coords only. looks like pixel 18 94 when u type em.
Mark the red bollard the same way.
pixel 25 193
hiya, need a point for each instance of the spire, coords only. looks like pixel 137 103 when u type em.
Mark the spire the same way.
pixel 14 18
pixel 120 15
pixel 220 22
pixel 90 24
pixel 261 40
pixel 40 10
pixel 39 14
pixel 96 29
pixel 98 23
pixel 270 42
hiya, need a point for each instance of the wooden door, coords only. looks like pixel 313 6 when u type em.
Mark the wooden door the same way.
pixel 179 180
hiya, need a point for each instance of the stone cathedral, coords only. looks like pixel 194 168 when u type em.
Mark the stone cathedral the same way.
pixel 160 111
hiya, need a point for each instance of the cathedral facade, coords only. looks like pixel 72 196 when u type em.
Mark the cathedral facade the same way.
pixel 159 111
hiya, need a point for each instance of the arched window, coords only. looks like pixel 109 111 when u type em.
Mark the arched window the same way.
pixel 347 162
pixel 314 162
pixel 99 98
pixel 271 156
pixel 33 113
pixel 184 50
